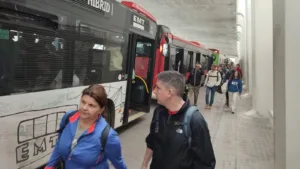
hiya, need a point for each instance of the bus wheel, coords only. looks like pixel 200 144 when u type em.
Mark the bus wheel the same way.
pixel 109 113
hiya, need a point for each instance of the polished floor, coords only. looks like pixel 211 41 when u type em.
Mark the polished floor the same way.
pixel 240 141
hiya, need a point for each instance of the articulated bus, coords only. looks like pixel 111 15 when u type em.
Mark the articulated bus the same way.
pixel 175 53
pixel 50 51
pixel 218 58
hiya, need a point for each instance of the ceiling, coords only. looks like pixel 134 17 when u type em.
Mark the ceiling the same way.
pixel 210 22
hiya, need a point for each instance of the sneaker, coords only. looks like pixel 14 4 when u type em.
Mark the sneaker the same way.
pixel 209 107
pixel 206 107
pixel 232 112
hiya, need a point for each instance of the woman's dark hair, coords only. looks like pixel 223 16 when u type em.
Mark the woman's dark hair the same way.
pixel 232 75
pixel 98 93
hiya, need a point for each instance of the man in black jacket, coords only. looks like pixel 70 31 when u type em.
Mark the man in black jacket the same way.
pixel 167 145
pixel 194 82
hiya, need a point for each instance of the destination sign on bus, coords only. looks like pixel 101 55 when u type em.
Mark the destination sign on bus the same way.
pixel 100 4
pixel 139 22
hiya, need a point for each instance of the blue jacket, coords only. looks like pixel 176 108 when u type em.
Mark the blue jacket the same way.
pixel 86 154
pixel 235 85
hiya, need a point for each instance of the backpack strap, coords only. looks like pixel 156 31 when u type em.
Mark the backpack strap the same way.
pixel 213 76
pixel 103 139
pixel 187 126
pixel 60 130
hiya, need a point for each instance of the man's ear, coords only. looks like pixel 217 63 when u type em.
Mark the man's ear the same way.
pixel 170 91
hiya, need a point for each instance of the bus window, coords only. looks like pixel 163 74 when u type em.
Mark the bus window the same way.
pixel 179 60
pixel 98 63
pixel 116 58
pixel 10 52
pixel 170 61
pixel 192 60
pixel 186 63
pixel 30 62
pixel 142 60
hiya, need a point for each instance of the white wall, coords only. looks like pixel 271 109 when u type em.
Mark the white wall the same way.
pixel 262 56
pixel 242 43
pixel 286 83
pixel 249 42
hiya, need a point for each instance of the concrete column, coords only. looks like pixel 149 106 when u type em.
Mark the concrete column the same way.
pixel 262 57
pixel 242 46
pixel 249 29
pixel 286 83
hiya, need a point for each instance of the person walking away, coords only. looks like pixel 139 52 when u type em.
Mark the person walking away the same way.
pixel 235 88
pixel 85 140
pixel 194 82
pixel 213 79
pixel 238 68
pixel 169 146
pixel 227 77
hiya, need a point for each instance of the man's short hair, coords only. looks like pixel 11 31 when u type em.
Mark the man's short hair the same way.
pixel 173 79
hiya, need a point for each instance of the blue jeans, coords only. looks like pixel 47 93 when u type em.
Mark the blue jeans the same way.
pixel 212 91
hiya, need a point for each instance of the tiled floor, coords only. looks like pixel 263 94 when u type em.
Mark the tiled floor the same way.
pixel 240 141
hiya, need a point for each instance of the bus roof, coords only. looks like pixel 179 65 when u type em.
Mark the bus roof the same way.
pixel 184 41
pixel 215 50
pixel 139 9
pixel 108 20
pixel 199 44
pixel 177 41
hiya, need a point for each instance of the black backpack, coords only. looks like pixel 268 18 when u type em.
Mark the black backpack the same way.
pixel 186 123
pixel 104 134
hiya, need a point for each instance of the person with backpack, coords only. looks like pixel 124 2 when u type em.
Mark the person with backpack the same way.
pixel 227 77
pixel 179 136
pixel 85 139
pixel 235 88
pixel 194 82
pixel 212 81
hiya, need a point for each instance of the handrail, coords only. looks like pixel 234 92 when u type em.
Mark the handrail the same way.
pixel 143 82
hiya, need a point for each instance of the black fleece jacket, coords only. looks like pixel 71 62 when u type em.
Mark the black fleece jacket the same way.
pixel 170 146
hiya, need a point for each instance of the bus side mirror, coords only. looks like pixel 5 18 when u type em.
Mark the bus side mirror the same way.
pixel 165 49
pixel 166 38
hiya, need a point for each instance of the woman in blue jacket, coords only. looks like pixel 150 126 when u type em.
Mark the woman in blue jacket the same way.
pixel 79 143
pixel 235 87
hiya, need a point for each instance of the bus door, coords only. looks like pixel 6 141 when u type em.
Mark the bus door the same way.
pixel 190 59
pixel 198 58
pixel 140 74
pixel 170 60
pixel 179 60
